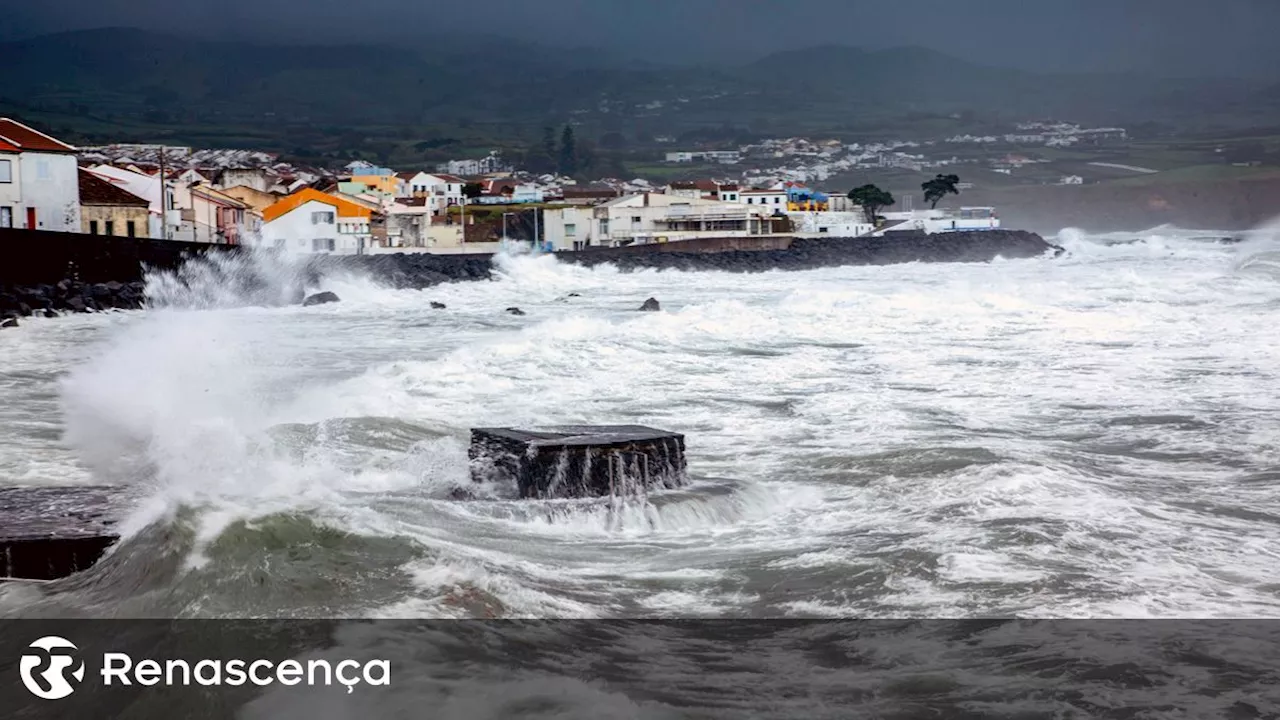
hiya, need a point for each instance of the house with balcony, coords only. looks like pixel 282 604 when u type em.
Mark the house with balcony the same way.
pixel 655 218
pixel 39 180
pixel 441 189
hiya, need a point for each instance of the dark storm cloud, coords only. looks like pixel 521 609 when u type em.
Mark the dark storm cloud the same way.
pixel 1171 36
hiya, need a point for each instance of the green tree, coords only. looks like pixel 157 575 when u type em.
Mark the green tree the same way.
pixel 940 187
pixel 549 142
pixel 568 153
pixel 471 191
pixel 871 199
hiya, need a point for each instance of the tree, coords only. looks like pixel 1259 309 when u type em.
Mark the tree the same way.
pixel 568 153
pixel 940 187
pixel 549 142
pixel 471 191
pixel 871 198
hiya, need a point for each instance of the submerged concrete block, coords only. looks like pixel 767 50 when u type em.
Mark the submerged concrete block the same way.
pixel 574 461
pixel 51 532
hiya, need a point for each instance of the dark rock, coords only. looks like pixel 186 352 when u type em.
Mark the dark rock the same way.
pixel 437 305
pixel 11 322
pixel 650 305
pixel 25 309
pixel 515 311
pixel 100 291
pixel 51 313
pixel 573 295
pixel 320 298
pixel 77 304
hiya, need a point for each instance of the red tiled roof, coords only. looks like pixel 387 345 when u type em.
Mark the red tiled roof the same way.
pixel 451 178
pixel 25 138
pixel 8 147
pixel 96 191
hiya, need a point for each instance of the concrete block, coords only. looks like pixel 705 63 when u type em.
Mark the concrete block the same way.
pixel 576 461
pixel 48 533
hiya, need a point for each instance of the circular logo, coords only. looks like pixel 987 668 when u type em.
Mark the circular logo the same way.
pixel 45 670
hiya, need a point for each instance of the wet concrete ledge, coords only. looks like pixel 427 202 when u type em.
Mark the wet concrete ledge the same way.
pixel 48 533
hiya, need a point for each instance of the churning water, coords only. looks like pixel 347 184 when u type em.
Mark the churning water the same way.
pixel 1089 436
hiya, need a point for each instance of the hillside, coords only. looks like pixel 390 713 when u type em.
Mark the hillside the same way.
pixel 121 84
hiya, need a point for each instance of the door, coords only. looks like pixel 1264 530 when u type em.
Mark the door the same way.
pixel 31 218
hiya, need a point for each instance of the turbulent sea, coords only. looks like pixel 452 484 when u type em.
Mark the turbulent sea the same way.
pixel 1092 436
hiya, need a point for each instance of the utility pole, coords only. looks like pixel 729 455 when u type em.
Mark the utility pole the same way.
pixel 536 240
pixel 164 198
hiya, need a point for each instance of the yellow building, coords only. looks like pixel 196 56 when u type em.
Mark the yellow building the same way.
pixel 106 209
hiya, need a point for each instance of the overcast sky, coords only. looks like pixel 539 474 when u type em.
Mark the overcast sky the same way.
pixel 1202 37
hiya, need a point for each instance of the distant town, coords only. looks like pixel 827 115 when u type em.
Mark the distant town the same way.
pixel 775 186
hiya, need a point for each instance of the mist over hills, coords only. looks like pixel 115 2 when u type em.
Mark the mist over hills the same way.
pixel 121 80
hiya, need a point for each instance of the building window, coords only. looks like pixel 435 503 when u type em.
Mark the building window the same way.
pixel 131 228
pixel 43 171
pixel 322 245
pixel 604 227
pixel 110 228
pixel 6 171
pixel 6 217
pixel 93 227
pixel 635 219
pixel 570 230
pixel 321 218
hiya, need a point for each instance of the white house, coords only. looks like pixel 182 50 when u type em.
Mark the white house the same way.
pixel 42 189
pixel 834 224
pixel 774 199
pixel 310 221
pixel 568 228
pixel 654 217
pixel 942 220
pixel 442 190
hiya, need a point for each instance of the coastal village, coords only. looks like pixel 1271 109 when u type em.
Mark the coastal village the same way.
pixel 242 197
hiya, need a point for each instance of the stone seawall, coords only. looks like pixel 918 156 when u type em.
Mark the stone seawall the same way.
pixel 50 273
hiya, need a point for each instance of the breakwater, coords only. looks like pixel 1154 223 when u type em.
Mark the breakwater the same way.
pixel 420 270
pixel 51 273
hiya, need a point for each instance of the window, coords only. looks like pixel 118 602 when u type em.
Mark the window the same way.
pixel 43 170
pixel 777 201
pixel 635 219
pixel 570 229
pixel 604 227
pixel 322 245
pixel 321 218
pixel 6 171
pixel 131 228
pixel 110 228
pixel 93 227
pixel 6 217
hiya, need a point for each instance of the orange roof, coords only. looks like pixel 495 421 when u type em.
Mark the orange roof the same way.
pixel 345 208
pixel 24 138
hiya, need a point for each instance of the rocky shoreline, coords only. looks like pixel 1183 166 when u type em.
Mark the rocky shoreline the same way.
pixel 421 270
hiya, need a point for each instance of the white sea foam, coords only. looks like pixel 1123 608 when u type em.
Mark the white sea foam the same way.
pixel 1074 435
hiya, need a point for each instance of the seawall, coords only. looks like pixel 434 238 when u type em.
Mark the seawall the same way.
pixel 49 273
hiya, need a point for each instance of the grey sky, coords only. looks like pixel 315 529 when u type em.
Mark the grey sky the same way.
pixel 1223 37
